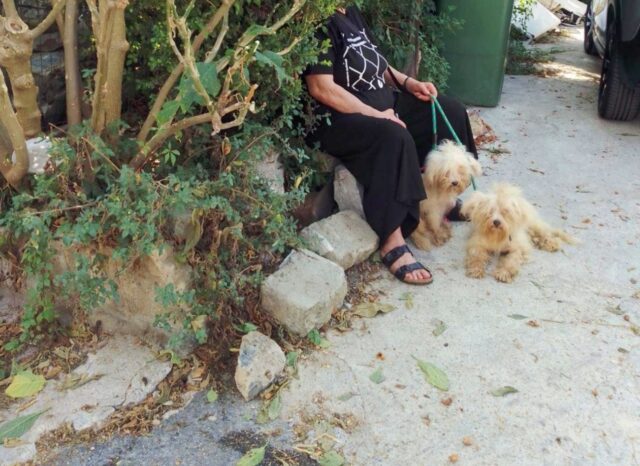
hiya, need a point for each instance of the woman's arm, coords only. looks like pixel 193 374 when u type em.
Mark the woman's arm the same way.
pixel 422 90
pixel 326 91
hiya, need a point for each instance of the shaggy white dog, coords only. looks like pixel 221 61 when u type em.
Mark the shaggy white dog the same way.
pixel 504 223
pixel 448 173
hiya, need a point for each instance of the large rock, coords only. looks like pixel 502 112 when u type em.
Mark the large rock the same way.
pixel 347 192
pixel 344 238
pixel 260 361
pixel 136 310
pixel 271 170
pixel 303 293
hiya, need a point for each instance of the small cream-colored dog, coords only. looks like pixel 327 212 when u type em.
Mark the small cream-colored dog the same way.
pixel 504 223
pixel 447 174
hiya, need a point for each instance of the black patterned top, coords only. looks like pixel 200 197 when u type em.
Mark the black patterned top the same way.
pixel 353 60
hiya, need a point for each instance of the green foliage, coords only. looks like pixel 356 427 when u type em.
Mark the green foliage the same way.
pixel 399 25
pixel 118 215
pixel 522 11
pixel 78 226
pixel 522 60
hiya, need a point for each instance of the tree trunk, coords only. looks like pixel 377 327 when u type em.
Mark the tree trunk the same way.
pixel 6 148
pixel 112 49
pixel 15 57
pixel 16 48
pixel 71 63
pixel 412 65
pixel 13 173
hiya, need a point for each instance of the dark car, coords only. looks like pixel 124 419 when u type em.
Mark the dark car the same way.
pixel 612 31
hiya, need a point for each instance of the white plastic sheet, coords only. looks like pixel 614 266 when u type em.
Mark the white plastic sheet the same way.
pixel 540 22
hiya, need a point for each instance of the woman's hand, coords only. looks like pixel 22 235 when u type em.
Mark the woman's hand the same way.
pixel 422 90
pixel 390 114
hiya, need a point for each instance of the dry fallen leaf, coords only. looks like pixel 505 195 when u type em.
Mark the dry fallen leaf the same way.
pixel 370 310
pixel 25 384
pixel 446 401
pixel 13 442
pixel 53 372
pixel 73 381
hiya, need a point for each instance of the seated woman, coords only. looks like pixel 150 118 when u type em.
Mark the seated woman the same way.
pixel 381 136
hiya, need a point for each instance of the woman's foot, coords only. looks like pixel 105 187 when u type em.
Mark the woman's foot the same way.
pixel 405 267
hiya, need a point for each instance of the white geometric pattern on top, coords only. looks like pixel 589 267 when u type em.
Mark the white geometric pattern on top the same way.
pixel 363 74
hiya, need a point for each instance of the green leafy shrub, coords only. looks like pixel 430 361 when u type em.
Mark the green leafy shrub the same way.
pixel 93 200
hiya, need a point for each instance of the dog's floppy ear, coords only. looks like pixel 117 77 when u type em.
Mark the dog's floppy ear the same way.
pixel 474 165
pixel 512 195
pixel 431 172
pixel 470 205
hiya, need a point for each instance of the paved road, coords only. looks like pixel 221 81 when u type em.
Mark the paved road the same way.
pixel 577 373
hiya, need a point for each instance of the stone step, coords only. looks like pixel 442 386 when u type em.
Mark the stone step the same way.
pixel 347 192
pixel 304 291
pixel 344 238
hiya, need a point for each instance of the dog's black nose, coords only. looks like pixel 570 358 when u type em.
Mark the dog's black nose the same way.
pixel 496 222
pixel 455 183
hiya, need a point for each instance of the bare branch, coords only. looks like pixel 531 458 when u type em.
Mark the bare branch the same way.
pixel 223 10
pixel 10 10
pixel 48 21
pixel 248 37
pixel 229 101
pixel 290 47
pixel 161 136
pixel 211 54
pixel 59 22
pixel 95 17
pixel 168 85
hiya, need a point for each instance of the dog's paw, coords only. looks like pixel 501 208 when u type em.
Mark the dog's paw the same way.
pixel 421 242
pixel 504 275
pixel 475 272
pixel 441 236
pixel 446 234
pixel 547 244
pixel 439 240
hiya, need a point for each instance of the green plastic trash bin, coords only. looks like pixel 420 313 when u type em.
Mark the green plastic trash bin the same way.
pixel 477 53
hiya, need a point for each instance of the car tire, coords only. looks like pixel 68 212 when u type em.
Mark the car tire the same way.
pixel 616 99
pixel 589 45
